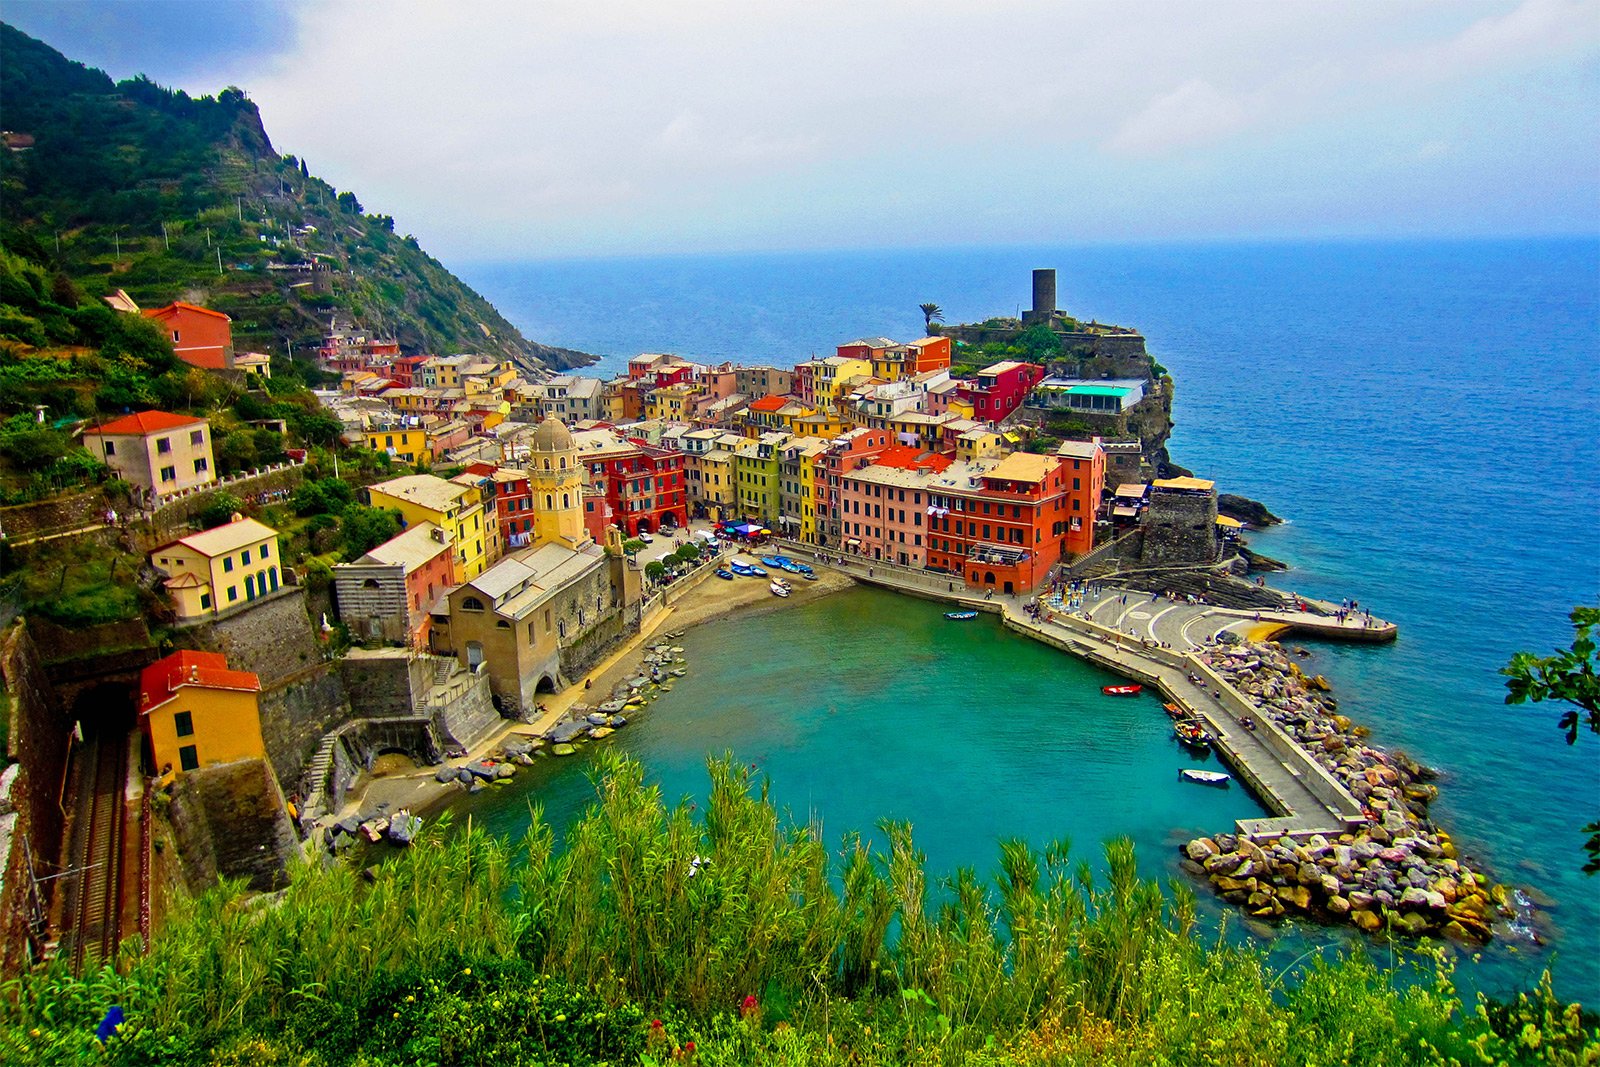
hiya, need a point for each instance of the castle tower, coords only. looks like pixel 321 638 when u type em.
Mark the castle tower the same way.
pixel 556 479
pixel 1044 298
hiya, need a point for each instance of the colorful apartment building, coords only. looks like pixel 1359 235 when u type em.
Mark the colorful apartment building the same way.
pixel 756 477
pixel 513 503
pixel 1086 484
pixel 846 452
pixel 669 402
pixel 157 451
pixel 1000 389
pixel 456 509
pixel 644 485
pixel 1000 525
pixel 798 489
pixel 220 568
pixel 819 382
pixel 200 337
pixel 385 595
pixel 195 712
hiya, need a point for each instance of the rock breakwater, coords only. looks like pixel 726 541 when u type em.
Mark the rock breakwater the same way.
pixel 1398 872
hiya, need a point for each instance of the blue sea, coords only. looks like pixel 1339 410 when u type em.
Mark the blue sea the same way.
pixel 1424 415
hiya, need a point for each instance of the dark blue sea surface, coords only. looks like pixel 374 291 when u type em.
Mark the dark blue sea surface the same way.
pixel 1424 414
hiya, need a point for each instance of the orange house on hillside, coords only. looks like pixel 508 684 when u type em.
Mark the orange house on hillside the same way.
pixel 201 337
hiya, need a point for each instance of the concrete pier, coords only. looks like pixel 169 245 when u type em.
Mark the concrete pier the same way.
pixel 1160 644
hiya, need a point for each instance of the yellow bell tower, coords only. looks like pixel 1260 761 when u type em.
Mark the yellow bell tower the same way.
pixel 556 480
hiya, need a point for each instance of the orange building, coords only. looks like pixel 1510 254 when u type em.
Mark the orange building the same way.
pixel 1001 526
pixel 195 712
pixel 201 337
pixel 1084 471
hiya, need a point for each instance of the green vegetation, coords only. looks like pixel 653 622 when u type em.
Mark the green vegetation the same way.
pixel 167 196
pixel 658 937
pixel 929 313
pixel 79 582
pixel 1567 675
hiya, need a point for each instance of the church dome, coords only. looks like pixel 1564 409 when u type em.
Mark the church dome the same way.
pixel 552 435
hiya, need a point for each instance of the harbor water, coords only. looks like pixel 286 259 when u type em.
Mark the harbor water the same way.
pixel 1423 413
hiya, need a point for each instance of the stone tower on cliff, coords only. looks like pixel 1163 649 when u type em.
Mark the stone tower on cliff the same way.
pixel 1044 299
pixel 556 479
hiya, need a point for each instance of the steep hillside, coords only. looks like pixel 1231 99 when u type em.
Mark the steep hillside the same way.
pixel 129 185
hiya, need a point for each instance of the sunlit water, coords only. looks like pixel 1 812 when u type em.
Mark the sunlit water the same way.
pixel 1425 415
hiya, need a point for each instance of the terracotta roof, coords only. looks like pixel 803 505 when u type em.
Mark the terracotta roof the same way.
pixel 145 422
pixel 905 457
pixel 770 402
pixel 160 682
pixel 177 305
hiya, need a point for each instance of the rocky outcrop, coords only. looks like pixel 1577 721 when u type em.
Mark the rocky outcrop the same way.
pixel 1398 872
pixel 1250 512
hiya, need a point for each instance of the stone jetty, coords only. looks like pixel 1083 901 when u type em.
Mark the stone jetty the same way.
pixel 1396 872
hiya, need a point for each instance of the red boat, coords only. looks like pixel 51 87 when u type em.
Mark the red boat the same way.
pixel 1122 690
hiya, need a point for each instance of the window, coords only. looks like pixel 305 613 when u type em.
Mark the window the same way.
pixel 197 437
pixel 188 757
pixel 227 564
pixel 233 593
pixel 266 547
pixel 471 603
pixel 201 465
pixel 183 722
pixel 244 557
pixel 169 474
pixel 205 601
pixel 111 448
pixel 163 445
pixel 175 337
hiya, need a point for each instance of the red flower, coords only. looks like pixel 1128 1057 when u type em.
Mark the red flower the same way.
pixel 655 1024
pixel 688 1046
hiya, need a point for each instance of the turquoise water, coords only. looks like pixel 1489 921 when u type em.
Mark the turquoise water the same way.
pixel 867 705
pixel 1424 414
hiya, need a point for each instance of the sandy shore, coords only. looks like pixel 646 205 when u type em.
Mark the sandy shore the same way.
pixel 416 789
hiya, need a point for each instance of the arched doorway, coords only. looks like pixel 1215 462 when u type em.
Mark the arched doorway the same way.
pixel 546 684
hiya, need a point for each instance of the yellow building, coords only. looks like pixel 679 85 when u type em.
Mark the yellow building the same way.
pixel 669 402
pixel 756 477
pixel 555 479
pixel 408 445
pixel 195 712
pixel 456 509
pixel 797 495
pixel 831 377
pixel 220 568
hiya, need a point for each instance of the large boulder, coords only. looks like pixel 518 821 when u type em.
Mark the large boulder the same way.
pixel 1200 848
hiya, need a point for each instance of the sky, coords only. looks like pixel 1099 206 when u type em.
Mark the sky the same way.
pixel 522 129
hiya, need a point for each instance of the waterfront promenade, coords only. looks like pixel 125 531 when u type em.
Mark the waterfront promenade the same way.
pixel 1161 643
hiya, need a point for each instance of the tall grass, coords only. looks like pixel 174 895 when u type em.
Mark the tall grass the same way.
pixel 745 935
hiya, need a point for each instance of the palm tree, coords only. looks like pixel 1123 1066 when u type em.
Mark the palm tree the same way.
pixel 929 313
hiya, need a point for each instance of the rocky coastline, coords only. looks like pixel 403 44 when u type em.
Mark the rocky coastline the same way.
pixel 1399 873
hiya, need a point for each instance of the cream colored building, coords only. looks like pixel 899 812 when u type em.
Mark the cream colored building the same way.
pixel 221 568
pixel 157 451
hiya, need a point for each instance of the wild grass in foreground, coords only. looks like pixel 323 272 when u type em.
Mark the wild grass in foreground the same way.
pixel 655 937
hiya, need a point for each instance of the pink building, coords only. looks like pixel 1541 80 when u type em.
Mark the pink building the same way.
pixel 883 506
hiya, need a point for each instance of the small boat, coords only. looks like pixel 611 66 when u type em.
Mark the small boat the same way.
pixel 757 572
pixel 960 616
pixel 785 562
pixel 1122 690
pixel 723 572
pixel 1204 777
pixel 773 561
pixel 1175 711
pixel 779 590
pixel 744 570
pixel 809 576
pixel 803 568
pixel 1191 733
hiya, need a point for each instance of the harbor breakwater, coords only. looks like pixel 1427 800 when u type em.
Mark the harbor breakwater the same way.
pixel 1397 872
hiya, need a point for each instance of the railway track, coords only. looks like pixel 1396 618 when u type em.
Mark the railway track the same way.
pixel 97 911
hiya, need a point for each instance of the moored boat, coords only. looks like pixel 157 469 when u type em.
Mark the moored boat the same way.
pixel 1122 690
pixel 772 561
pixel 1191 733
pixel 757 571
pixel 778 590
pixel 744 570
pixel 1190 774
pixel 723 572
pixel 960 616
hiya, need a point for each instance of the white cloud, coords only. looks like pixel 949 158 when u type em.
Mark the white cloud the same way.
pixel 1195 113
pixel 499 126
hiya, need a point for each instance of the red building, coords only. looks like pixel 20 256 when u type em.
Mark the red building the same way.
pixel 404 369
pixel 200 337
pixel 513 503
pixel 597 514
pixel 999 390
pixel 1001 527
pixel 849 450
pixel 1086 486
pixel 644 487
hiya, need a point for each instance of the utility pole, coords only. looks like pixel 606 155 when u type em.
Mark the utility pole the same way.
pixel 238 204
pixel 219 262
pixel 116 239
pixel 164 238
pixel 208 236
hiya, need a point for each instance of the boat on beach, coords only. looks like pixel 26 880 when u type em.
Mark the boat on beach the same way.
pixel 1122 690
pixel 744 570
pixel 1217 778
pixel 723 572
pixel 960 616
pixel 778 590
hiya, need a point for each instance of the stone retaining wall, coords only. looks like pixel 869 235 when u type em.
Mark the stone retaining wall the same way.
pixel 229 822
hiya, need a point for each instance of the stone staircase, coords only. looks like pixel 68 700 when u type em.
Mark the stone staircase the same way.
pixel 315 781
